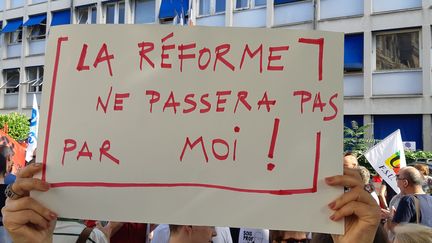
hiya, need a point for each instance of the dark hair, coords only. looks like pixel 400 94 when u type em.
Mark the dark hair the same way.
pixel 3 166
pixel 423 168
pixel 380 237
pixel 277 235
pixel 174 228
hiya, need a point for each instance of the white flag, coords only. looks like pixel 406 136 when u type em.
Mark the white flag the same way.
pixel 181 18
pixel 387 157
pixel 192 18
pixel 34 122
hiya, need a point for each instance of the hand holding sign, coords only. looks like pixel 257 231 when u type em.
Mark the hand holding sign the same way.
pixel 361 228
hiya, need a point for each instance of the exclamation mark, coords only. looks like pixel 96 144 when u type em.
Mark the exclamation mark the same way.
pixel 270 166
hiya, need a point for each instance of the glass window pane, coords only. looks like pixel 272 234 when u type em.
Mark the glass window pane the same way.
pixel 204 7
pixel 35 78
pixel 32 77
pixel 121 13
pixel 93 15
pixel 38 31
pixel 41 75
pixel 110 12
pixel 144 11
pixel 32 73
pixel 82 15
pixel 242 3
pixel 15 37
pixel 397 51
pixel 2 3
pixel 12 79
pixel 260 3
pixel 16 3
pixel 220 6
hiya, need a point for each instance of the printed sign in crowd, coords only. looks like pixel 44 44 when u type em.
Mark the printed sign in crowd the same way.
pixel 193 125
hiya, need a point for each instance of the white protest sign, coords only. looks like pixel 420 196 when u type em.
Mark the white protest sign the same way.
pixel 193 125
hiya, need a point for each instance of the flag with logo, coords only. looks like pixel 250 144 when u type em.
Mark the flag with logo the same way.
pixel 387 157
pixel 34 122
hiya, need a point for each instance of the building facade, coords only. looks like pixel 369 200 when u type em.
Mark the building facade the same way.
pixel 387 81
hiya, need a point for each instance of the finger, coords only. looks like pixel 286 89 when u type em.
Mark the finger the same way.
pixel 361 210
pixel 99 225
pixel 30 170
pixel 28 203
pixel 24 217
pixel 344 180
pixel 353 172
pixel 23 186
pixel 356 194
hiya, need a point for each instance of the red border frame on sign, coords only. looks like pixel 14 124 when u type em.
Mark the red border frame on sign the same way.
pixel 312 189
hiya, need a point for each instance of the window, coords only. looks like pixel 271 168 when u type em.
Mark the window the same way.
pixel 145 11
pixel 397 50
pixel 38 32
pixel 241 4
pixel 35 78
pixel 204 7
pixel 86 15
pixel 36 26
pixel 15 37
pixel 208 7
pixel 411 127
pixel 353 53
pixel 13 31
pixel 61 17
pixel 11 81
pixel 276 2
pixel 115 13
pixel 220 6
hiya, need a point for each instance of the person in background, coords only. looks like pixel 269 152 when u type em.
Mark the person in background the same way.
pixel 7 153
pixel 280 236
pixel 249 235
pixel 161 234
pixel 365 174
pixel 427 182
pixel 191 234
pixel 74 230
pixel 127 232
pixel 385 195
pixel 35 225
pixel 415 206
pixel 4 236
pixel 350 160
pixel 412 233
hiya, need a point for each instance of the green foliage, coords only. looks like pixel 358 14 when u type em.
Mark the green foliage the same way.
pixel 412 156
pixel 18 125
pixel 356 141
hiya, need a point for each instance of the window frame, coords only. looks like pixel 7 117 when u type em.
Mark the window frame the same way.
pixel 89 12
pixel 250 5
pixel 18 34
pixel 354 71
pixel 397 31
pixel 116 12
pixel 12 89
pixel 35 85
pixel 32 29
pixel 212 10
pixel 134 13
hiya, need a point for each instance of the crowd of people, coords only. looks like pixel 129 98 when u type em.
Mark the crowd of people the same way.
pixel 369 216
